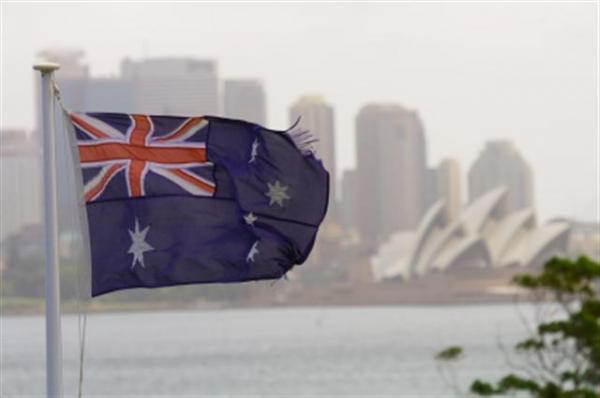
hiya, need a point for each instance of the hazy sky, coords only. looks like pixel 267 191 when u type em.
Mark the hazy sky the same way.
pixel 475 72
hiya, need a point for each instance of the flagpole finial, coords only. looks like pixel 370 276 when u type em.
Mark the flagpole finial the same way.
pixel 46 67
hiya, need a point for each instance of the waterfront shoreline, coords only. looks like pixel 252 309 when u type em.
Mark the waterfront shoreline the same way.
pixel 462 287
pixel 70 308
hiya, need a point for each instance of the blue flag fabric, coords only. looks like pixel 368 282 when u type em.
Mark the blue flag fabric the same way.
pixel 180 200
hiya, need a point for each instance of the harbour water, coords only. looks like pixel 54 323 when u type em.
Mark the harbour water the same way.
pixel 273 352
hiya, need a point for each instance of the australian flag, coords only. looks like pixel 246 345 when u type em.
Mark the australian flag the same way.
pixel 179 200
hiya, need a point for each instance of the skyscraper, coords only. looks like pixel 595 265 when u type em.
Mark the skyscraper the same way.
pixel 391 163
pixel 173 86
pixel 316 115
pixel 449 187
pixel 501 164
pixel 245 99
pixel 109 94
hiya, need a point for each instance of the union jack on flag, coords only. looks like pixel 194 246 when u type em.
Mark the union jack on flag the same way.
pixel 140 155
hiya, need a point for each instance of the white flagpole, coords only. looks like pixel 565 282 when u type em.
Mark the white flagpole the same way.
pixel 54 386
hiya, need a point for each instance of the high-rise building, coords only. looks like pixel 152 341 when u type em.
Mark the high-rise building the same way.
pixel 316 115
pixel 20 182
pixel 245 99
pixel 443 182
pixel 391 163
pixel 449 187
pixel 173 86
pixel 501 164
pixel 109 94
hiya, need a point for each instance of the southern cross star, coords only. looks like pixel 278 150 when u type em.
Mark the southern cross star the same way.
pixel 252 253
pixel 138 244
pixel 277 193
pixel 250 218
pixel 254 151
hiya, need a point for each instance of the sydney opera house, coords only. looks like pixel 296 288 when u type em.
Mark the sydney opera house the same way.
pixel 484 235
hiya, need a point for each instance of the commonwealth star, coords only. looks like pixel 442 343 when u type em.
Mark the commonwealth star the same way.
pixel 277 193
pixel 139 245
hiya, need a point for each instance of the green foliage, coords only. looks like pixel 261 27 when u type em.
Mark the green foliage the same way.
pixel 563 277
pixel 506 384
pixel 450 354
pixel 563 353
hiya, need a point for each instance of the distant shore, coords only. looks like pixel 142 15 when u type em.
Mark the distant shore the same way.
pixel 11 306
pixel 19 306
pixel 459 288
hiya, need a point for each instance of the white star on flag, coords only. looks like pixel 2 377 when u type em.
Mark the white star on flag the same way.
pixel 277 193
pixel 139 245
pixel 254 151
pixel 250 218
pixel 252 253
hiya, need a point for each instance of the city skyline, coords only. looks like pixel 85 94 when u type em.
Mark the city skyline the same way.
pixel 469 88
pixel 392 140
pixel 386 129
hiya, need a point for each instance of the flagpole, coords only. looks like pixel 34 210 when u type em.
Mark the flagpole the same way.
pixel 54 386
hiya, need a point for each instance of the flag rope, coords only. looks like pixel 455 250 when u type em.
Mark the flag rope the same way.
pixel 81 303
